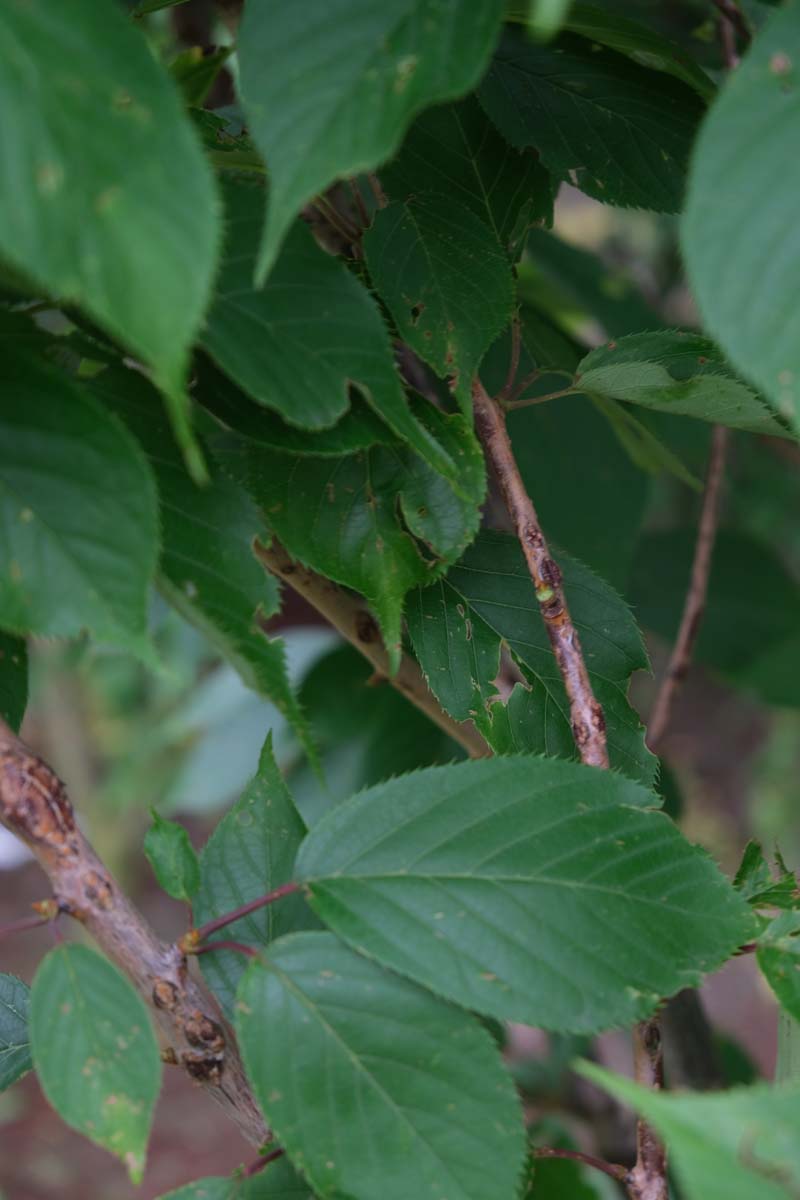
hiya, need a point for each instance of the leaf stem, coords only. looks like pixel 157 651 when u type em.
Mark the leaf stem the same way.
pixel 695 602
pixel 226 944
pixel 21 925
pixel 191 940
pixel 615 1170
pixel 529 400
pixel 260 1163
pixel 513 365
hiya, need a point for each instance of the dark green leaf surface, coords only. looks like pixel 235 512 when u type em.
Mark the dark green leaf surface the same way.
pixel 446 281
pixel 752 602
pixel 524 888
pixel 757 883
pixel 343 516
pixel 736 1145
pixel 15 1049
pixel 590 496
pixel 374 1086
pixel 297 344
pixel 488 597
pixel 619 132
pixel 79 509
pixel 172 857
pixel 105 197
pixel 207 569
pixel 95 1052
pixel 279 1181
pixel 358 429
pixel 676 372
pixel 750 299
pixel 455 150
pixel 778 957
pixel 13 679
pixel 251 851
pixel 330 90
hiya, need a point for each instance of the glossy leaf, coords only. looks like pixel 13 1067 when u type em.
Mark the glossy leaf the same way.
pixel 750 299
pixel 734 1145
pixel 352 518
pixel 298 344
pixel 172 857
pixel 677 372
pixel 330 91
pixel 78 507
pixel 486 598
pixel 455 150
pixel 15 1048
pixel 207 569
pixel 444 277
pixel 778 957
pixel 13 679
pixel 525 888
pixel 372 1084
pixel 95 1052
pixel 251 851
pixel 619 132
pixel 106 199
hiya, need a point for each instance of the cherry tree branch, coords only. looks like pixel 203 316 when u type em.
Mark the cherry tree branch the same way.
pixel 586 715
pixel 615 1170
pixel 35 807
pixel 695 602
pixel 351 617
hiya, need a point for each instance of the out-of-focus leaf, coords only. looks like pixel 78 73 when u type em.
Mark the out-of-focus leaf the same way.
pixel 13 679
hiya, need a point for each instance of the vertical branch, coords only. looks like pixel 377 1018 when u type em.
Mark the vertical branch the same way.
pixel 648 1179
pixel 695 603
pixel 586 715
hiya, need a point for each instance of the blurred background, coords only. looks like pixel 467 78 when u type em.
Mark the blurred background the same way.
pixel 186 739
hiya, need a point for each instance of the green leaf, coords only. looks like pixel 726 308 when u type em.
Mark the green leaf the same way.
pixel 13 679
pixel 95 1052
pixel 251 851
pixel 105 198
pixel 195 71
pixel 677 372
pixel 596 507
pixel 446 281
pixel 778 955
pixel 750 299
pixel 371 1084
pixel 298 344
pixel 353 518
pixel 172 857
pixel 79 509
pixel 756 882
pixel 15 1049
pixel 734 1145
pixel 330 91
pixel 546 17
pixel 751 605
pixel 619 132
pixel 358 429
pixel 151 6
pixel 207 569
pixel 213 1188
pixel 643 45
pixel 455 150
pixel 488 598
pixel 525 888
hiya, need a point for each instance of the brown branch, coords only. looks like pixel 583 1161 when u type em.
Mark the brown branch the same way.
pixel 648 1179
pixel 350 616
pixel 586 715
pixel 695 602
pixel 613 1169
pixel 35 807
pixel 731 13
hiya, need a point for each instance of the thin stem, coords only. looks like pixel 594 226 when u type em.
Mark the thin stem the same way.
pixel 648 1178
pixel 335 219
pixel 195 936
pixel 529 400
pixel 586 715
pixel 377 190
pixel 256 1167
pixel 513 365
pixel 729 10
pixel 352 619
pixel 615 1170
pixel 21 925
pixel 695 602
pixel 359 203
pixel 225 944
